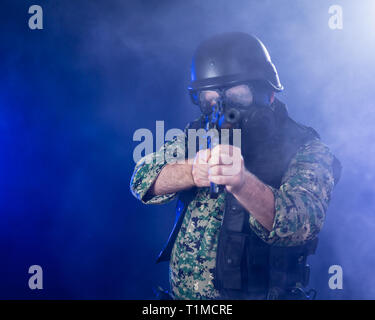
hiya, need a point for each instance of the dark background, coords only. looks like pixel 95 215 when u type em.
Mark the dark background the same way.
pixel 73 94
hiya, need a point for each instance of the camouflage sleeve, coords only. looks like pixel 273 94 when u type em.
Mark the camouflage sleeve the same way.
pixel 303 197
pixel 148 168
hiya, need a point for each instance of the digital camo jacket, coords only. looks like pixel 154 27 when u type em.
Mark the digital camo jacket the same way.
pixel 300 203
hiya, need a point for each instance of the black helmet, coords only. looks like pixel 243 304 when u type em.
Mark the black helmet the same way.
pixel 231 58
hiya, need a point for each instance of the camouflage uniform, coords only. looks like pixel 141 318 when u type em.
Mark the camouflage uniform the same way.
pixel 300 203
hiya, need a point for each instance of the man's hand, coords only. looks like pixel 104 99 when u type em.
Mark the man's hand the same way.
pixel 226 167
pixel 200 168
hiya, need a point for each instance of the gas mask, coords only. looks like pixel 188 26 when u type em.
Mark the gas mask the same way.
pixel 243 106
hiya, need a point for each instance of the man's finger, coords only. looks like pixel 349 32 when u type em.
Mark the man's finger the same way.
pixel 224 170
pixel 216 159
pixel 227 149
pixel 221 179
pixel 224 154
pixel 203 156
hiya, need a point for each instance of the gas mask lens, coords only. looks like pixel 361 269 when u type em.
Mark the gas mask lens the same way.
pixel 239 96
pixel 208 99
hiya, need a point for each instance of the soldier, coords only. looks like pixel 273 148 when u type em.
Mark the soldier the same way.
pixel 250 239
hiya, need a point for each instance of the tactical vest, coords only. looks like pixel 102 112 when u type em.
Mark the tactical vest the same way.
pixel 246 266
